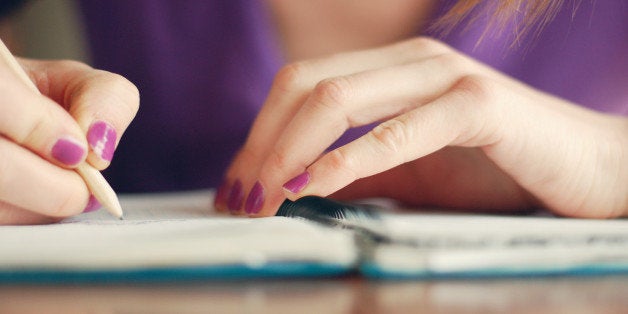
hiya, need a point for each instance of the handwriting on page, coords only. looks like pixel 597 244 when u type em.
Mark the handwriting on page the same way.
pixel 518 241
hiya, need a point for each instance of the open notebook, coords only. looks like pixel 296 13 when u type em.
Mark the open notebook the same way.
pixel 178 237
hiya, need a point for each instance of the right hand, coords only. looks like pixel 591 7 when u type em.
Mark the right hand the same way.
pixel 80 115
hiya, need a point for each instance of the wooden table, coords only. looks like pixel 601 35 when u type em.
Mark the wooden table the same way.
pixel 604 294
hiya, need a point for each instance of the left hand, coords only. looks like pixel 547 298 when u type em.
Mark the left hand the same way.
pixel 456 133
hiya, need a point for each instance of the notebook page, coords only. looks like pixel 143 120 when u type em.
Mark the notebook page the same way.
pixel 170 230
pixel 446 244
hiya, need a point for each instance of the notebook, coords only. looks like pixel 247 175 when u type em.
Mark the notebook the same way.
pixel 178 236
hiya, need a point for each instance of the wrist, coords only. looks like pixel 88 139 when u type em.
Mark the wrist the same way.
pixel 623 170
pixel 615 154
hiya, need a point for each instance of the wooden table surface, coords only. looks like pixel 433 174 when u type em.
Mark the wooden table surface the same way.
pixel 603 294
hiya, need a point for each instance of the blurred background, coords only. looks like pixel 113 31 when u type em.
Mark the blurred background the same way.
pixel 45 29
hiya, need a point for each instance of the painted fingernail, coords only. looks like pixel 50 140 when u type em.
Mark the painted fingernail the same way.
pixel 255 200
pixel 102 139
pixel 298 183
pixel 221 194
pixel 68 151
pixel 234 202
pixel 92 205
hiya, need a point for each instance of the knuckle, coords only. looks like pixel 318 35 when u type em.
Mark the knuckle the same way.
pixel 330 93
pixel 326 100
pixel 109 89
pixel 278 166
pixel 42 78
pixel 127 92
pixel 124 84
pixel 340 162
pixel 479 106
pixel 391 135
pixel 290 77
pixel 476 89
pixel 278 160
pixel 427 44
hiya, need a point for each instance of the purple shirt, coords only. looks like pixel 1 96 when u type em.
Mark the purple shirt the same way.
pixel 204 67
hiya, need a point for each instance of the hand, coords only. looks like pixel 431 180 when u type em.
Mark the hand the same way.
pixel 455 133
pixel 42 137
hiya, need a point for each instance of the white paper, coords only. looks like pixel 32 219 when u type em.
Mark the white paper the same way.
pixel 461 243
pixel 170 230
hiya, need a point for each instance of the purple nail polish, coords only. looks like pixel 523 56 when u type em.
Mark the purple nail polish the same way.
pixel 255 200
pixel 92 205
pixel 298 183
pixel 68 151
pixel 221 194
pixel 234 202
pixel 102 139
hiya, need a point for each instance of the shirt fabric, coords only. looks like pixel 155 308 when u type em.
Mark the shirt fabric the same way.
pixel 204 67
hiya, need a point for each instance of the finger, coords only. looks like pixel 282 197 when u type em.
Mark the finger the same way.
pixel 32 183
pixel 295 82
pixel 37 123
pixel 12 215
pixel 102 103
pixel 346 102
pixel 290 89
pixel 459 117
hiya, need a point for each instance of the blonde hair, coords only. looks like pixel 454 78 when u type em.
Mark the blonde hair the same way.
pixel 528 16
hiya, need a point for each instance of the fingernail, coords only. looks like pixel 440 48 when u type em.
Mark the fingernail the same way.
pixel 102 139
pixel 298 183
pixel 234 201
pixel 221 194
pixel 92 205
pixel 68 151
pixel 255 200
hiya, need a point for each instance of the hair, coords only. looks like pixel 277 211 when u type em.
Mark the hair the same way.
pixel 529 16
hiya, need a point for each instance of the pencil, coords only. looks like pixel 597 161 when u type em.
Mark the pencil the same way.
pixel 98 186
